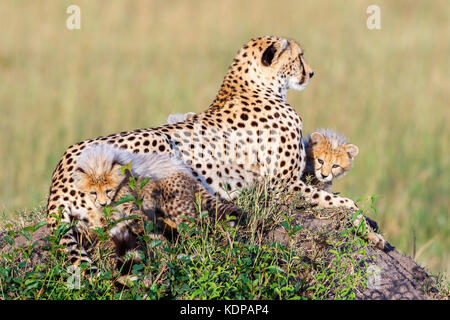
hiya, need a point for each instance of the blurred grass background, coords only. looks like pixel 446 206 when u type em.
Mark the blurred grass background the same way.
pixel 134 62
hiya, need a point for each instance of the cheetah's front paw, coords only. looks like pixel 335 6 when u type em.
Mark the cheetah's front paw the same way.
pixel 377 240
pixel 350 204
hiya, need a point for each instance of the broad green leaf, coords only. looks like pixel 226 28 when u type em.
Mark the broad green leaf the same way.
pixel 143 183
pixel 126 198
pixel 39 225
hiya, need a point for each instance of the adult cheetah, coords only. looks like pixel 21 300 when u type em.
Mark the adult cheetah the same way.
pixel 248 132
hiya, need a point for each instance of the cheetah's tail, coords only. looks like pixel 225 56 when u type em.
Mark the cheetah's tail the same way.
pixel 76 252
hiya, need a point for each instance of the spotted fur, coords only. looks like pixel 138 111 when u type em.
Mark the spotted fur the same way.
pixel 168 196
pixel 248 132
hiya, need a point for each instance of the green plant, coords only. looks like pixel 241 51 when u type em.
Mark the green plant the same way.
pixel 207 259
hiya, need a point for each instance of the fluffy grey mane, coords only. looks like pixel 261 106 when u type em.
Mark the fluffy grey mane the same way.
pixel 153 165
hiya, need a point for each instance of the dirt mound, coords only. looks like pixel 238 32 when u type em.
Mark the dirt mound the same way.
pixel 397 277
pixel 38 255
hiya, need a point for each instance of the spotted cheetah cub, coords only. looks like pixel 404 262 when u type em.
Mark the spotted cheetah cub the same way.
pixel 166 187
pixel 328 156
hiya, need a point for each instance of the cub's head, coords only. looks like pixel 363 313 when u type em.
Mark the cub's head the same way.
pixel 98 174
pixel 329 155
pixel 278 60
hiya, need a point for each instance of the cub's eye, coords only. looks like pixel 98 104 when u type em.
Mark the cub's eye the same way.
pixel 94 193
pixel 320 161
pixel 335 166
pixel 109 191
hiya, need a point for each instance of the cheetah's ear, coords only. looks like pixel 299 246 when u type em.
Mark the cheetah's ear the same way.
pixel 273 52
pixel 316 137
pixel 352 150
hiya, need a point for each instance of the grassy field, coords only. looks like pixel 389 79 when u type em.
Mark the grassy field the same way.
pixel 133 63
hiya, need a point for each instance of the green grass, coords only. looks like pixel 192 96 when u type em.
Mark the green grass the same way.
pixel 208 260
pixel 133 63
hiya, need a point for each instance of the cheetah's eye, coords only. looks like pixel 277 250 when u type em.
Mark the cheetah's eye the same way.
pixel 94 193
pixel 335 166
pixel 109 191
pixel 320 161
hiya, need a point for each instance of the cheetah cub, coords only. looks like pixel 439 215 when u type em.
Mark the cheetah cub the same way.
pixel 328 156
pixel 169 193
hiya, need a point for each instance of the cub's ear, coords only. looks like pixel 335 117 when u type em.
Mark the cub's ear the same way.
pixel 78 175
pixel 352 150
pixel 316 137
pixel 273 52
pixel 116 168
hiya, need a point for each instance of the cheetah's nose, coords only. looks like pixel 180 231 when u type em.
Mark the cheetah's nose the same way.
pixel 311 74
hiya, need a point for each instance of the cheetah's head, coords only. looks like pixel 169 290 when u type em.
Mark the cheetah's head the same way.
pixel 282 60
